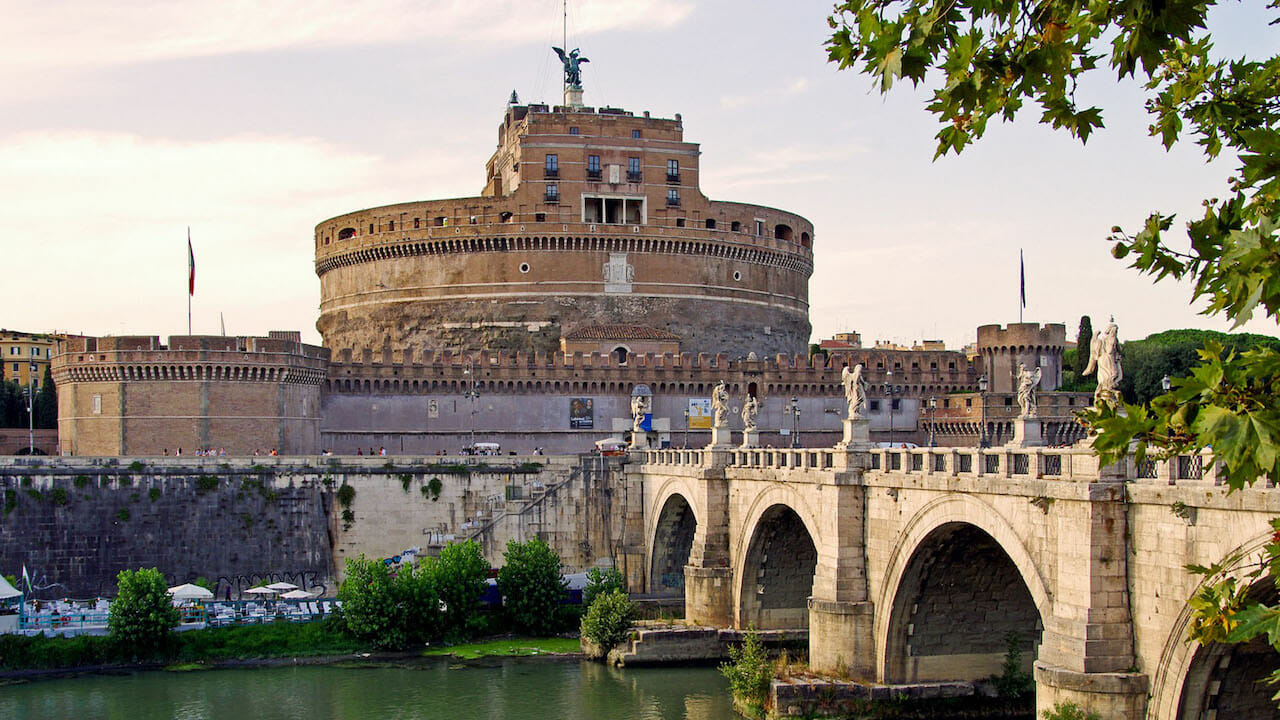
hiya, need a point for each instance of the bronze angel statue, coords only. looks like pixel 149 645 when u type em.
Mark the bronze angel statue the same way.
pixel 571 61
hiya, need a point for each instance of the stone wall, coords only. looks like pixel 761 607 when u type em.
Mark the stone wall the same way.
pixel 76 522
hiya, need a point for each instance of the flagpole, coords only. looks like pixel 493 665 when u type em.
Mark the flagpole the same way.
pixel 191 278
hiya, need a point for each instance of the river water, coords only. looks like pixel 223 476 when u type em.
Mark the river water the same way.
pixel 435 689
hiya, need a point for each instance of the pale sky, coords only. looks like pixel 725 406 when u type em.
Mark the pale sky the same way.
pixel 122 123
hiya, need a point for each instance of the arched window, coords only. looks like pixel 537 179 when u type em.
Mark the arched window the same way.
pixel 620 355
pixel 346 233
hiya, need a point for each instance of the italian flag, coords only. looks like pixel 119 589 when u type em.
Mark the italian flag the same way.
pixel 191 266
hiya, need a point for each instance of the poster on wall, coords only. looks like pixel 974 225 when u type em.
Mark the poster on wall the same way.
pixel 581 414
pixel 699 413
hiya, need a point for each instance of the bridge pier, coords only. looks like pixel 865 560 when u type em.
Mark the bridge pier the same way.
pixel 841 616
pixel 841 637
pixel 1110 694
pixel 708 579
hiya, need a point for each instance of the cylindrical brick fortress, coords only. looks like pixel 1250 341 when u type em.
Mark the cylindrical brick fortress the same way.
pixel 601 222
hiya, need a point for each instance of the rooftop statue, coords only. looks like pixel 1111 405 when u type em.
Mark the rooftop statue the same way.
pixel 571 61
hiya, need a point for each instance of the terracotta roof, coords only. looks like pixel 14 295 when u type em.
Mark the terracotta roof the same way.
pixel 620 332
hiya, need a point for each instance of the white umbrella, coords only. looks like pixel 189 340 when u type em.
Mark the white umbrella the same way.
pixel 260 591
pixel 187 591
pixel 282 586
pixel 297 595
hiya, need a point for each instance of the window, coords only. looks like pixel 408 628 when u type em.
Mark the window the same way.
pixel 620 355
pixel 539 217
pixel 635 134
pixel 441 221
pixel 1008 401
pixel 417 223
pixel 711 224
pixel 873 405
pixel 633 169
pixel 370 228
pixel 679 222
pixel 673 198
pixel 553 193
pixel 15 367
pixel 97 404
pixel 613 210
pixel 735 226
pixel 759 227
pixel 968 402
pixel 573 131
pixel 673 171
pixel 552 167
pixel 391 225
pixel 897 404
pixel 593 167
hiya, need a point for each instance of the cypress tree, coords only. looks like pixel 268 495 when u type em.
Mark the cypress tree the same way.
pixel 1083 339
pixel 47 402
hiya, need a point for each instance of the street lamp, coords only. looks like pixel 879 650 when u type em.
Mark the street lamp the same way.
pixel 31 417
pixel 982 388
pixel 887 386
pixel 795 421
pixel 933 406
pixel 472 395
pixel 686 429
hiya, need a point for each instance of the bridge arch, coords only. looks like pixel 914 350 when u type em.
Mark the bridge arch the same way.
pixel 670 535
pixel 776 559
pixel 954 546
pixel 1191 679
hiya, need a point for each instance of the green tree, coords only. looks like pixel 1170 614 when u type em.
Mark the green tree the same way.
pixel 1084 337
pixel 460 574
pixel 142 613
pixel 601 582
pixel 531 586
pixel 992 57
pixel 389 611
pixel 608 619
pixel 47 402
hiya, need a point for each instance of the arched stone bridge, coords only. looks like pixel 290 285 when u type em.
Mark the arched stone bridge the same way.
pixel 923 564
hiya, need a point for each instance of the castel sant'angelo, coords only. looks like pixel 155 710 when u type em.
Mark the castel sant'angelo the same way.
pixel 591 266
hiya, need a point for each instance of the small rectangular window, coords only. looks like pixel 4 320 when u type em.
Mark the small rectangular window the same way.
pixel 552 166
pixel 1008 401
pixel 553 193
pixel 633 169
pixel 370 228
pixel 440 221
pixel 573 131
pixel 874 405
pixel 679 222
pixel 968 402
pixel 635 134
pixel 417 223
pixel 593 167
pixel 97 404
pixel 735 226
pixel 673 198
pixel 391 225
pixel 673 171
pixel 759 227
pixel 539 217
pixel 897 404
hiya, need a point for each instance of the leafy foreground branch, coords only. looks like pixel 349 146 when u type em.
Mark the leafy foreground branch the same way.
pixel 992 58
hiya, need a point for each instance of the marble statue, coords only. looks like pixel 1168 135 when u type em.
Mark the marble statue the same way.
pixel 1028 382
pixel 639 407
pixel 750 410
pixel 855 390
pixel 1104 357
pixel 720 405
pixel 571 61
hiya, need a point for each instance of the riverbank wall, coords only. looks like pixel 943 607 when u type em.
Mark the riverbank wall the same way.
pixel 74 523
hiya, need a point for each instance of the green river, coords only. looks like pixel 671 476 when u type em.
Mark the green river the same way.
pixel 433 689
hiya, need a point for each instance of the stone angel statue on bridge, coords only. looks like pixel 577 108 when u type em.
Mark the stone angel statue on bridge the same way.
pixel 1028 382
pixel 571 62
pixel 1104 357
pixel 750 411
pixel 855 390
pixel 720 405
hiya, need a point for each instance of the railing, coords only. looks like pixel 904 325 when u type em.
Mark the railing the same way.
pixel 634 177
pixel 550 173
pixel 673 177
pixel 593 174
pixel 1068 464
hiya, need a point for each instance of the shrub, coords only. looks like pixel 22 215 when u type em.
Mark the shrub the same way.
pixel 58 496
pixel 433 486
pixel 608 619
pixel 405 481
pixel 386 611
pixel 81 481
pixel 459 576
pixel 1070 711
pixel 346 495
pixel 1013 681
pixel 123 514
pixel 749 673
pixel 531 586
pixel 154 494
pixel 136 466
pixel 205 483
pixel 600 582
pixel 369 605
pixel 142 613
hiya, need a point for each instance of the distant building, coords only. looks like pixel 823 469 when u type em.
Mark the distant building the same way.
pixel 24 352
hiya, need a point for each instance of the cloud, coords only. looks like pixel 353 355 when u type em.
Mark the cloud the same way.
pixel 84 33
pixel 100 221
pixel 793 88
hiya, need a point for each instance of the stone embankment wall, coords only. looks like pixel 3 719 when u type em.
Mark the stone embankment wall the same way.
pixel 74 523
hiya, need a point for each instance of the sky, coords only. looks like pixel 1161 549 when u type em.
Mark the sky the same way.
pixel 124 123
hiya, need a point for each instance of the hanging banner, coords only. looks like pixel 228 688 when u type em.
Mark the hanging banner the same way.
pixel 581 413
pixel 700 413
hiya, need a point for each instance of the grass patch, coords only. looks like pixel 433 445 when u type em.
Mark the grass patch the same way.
pixel 508 647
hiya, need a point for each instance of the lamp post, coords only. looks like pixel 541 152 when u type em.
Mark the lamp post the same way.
pixel 471 396
pixel 982 388
pixel 31 416
pixel 686 429
pixel 933 406
pixel 795 421
pixel 887 387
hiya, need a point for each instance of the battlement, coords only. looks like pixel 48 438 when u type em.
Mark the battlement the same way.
pixel 1021 336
